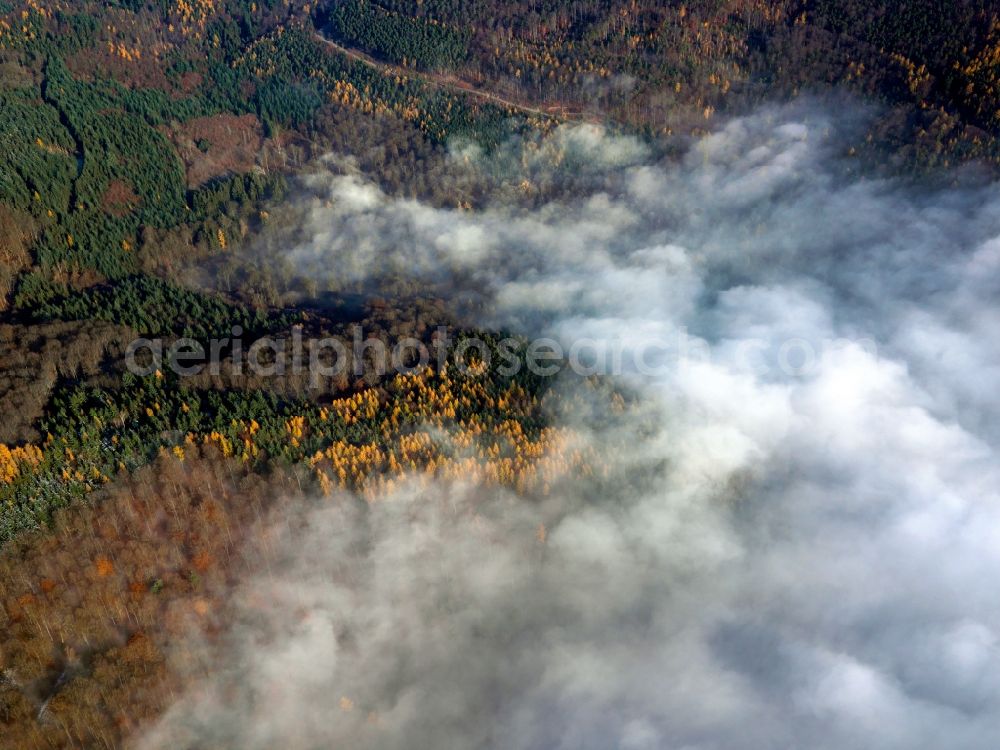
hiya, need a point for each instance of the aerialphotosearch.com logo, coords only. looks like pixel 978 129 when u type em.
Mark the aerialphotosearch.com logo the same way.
pixel 357 355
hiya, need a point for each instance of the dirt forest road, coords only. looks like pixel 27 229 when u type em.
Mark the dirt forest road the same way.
pixel 452 83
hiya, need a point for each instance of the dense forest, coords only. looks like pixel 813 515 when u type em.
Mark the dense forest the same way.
pixel 147 144
pixel 671 67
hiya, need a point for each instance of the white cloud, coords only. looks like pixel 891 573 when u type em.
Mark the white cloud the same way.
pixel 789 561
